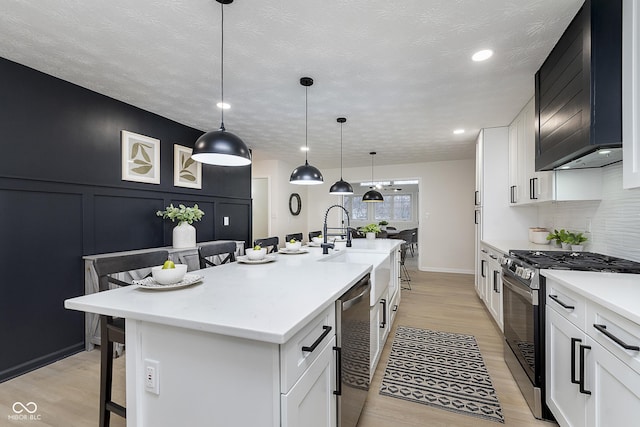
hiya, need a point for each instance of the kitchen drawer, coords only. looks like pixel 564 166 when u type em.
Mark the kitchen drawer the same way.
pixel 567 303
pixel 293 360
pixel 619 328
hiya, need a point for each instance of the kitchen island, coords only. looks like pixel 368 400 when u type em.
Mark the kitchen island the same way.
pixel 227 351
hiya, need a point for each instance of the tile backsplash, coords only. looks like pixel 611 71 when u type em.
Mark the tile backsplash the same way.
pixel 612 225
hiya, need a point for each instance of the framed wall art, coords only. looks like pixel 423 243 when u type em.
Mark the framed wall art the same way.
pixel 140 158
pixel 186 171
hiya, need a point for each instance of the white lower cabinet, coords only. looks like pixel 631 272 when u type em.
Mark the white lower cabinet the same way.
pixel 311 401
pixel 379 316
pixel 592 380
pixel 489 282
pixel 563 396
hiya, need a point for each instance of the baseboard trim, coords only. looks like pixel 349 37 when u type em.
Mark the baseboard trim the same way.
pixel 41 361
pixel 446 270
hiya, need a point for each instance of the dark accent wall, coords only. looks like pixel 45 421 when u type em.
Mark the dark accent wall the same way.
pixel 62 197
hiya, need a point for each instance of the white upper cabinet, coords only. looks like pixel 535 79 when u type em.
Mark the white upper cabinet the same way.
pixel 525 184
pixel 631 93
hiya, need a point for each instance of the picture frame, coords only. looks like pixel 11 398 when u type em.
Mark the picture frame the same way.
pixel 186 171
pixel 140 158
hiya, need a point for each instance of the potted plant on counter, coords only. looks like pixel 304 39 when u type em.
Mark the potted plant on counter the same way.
pixel 556 237
pixel 576 241
pixel 370 230
pixel 184 234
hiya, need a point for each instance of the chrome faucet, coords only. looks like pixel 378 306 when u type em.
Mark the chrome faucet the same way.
pixel 325 246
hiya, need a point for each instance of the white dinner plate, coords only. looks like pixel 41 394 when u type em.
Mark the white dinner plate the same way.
pixel 245 259
pixel 150 282
pixel 292 251
pixel 314 244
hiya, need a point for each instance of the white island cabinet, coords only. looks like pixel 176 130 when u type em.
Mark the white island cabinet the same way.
pixel 228 351
pixel 593 348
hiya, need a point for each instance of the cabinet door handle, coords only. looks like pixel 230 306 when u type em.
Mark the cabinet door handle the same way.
pixel 534 193
pixel 615 339
pixel 482 263
pixel 475 217
pixel 383 324
pixel 495 281
pixel 513 194
pixel 582 357
pixel 556 299
pixel 493 256
pixel 317 342
pixel 338 390
pixel 574 380
pixel 476 198
pixel 395 307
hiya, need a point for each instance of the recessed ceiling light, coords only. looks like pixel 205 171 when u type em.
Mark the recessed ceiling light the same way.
pixel 482 55
pixel 565 167
pixel 458 131
pixel 223 105
pixel 604 151
pixel 304 148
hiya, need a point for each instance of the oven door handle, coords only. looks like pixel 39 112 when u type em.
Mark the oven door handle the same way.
pixel 518 290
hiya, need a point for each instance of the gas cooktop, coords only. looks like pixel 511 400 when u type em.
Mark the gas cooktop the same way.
pixel 584 261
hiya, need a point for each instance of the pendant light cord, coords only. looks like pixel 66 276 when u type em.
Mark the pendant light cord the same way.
pixel 222 68
pixel 306 124
pixel 340 151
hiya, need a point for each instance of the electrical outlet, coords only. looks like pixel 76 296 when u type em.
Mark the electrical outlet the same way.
pixel 152 376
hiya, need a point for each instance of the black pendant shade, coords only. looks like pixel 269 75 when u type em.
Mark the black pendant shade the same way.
pixel 372 196
pixel 220 147
pixel 306 174
pixel 341 187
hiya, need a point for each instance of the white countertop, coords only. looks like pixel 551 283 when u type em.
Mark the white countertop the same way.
pixel 615 291
pixel 505 246
pixel 267 302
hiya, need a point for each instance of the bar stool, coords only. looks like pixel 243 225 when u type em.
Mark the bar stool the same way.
pixel 220 249
pixel 112 329
pixel 295 236
pixel 270 243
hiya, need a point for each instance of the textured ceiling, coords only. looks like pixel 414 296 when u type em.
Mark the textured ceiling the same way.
pixel 400 71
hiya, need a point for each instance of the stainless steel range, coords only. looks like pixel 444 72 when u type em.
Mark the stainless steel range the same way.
pixel 524 312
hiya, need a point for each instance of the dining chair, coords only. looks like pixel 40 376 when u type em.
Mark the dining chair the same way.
pixel 270 243
pixel 356 234
pixel 223 250
pixel 404 273
pixel 391 228
pixel 112 329
pixel 313 234
pixel 414 241
pixel 295 236
pixel 382 234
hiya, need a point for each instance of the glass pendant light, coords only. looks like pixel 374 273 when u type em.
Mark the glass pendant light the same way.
pixel 372 196
pixel 341 187
pixel 306 174
pixel 220 147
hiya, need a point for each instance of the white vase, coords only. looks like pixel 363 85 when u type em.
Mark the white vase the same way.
pixel 184 235
pixel 566 245
pixel 371 235
pixel 577 248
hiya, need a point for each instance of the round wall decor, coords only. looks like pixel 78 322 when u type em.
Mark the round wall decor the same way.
pixel 295 204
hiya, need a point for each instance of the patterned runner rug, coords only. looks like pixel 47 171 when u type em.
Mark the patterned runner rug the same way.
pixel 440 369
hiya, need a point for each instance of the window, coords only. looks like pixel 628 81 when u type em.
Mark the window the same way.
pixel 394 208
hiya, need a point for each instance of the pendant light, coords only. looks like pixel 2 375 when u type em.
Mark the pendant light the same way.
pixel 220 147
pixel 341 187
pixel 306 174
pixel 372 196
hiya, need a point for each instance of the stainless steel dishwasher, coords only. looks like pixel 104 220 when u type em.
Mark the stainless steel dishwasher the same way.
pixel 353 348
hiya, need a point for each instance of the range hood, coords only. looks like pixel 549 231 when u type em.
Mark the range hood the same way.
pixel 578 92
pixel 596 159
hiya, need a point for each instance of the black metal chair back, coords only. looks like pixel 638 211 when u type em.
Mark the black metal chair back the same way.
pixel 112 329
pixel 313 234
pixel 295 236
pixel 270 243
pixel 224 249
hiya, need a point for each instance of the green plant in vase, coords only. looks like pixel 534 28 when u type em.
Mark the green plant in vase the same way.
pixel 370 228
pixel 576 240
pixel 184 234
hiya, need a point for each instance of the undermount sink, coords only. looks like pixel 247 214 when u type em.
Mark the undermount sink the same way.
pixel 355 257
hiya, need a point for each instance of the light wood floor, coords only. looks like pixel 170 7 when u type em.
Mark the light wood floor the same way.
pixel 66 392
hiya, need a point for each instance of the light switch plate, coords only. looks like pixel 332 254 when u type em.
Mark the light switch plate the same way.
pixel 225 220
